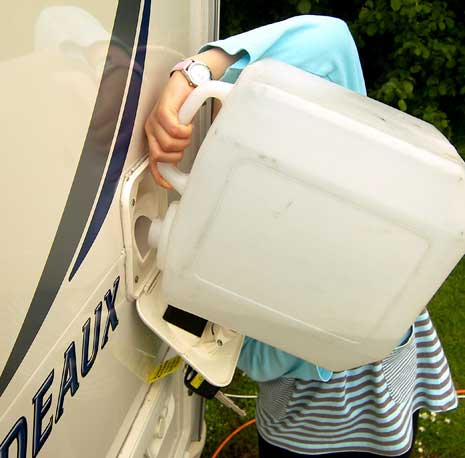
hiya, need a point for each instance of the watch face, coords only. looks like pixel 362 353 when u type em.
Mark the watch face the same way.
pixel 199 73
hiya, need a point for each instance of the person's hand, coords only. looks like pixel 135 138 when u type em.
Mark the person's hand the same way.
pixel 167 138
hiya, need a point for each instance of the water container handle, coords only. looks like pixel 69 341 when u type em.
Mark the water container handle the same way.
pixel 191 105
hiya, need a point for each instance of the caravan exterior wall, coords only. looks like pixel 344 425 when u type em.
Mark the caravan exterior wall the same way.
pixel 77 83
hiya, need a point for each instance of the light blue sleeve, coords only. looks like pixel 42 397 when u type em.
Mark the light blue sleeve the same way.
pixel 262 362
pixel 317 44
pixel 323 46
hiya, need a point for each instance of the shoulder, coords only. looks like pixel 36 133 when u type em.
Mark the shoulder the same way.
pixel 321 36
pixel 326 23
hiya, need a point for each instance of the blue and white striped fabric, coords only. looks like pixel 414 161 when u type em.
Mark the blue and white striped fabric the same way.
pixel 368 409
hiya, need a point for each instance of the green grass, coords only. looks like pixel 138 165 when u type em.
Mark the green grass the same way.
pixel 442 436
pixel 221 421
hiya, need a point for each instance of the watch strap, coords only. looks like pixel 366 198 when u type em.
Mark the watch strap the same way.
pixel 182 65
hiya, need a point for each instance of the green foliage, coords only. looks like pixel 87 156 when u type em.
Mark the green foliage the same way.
pixel 424 56
pixel 412 51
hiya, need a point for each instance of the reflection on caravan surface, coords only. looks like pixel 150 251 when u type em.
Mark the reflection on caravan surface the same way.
pixel 77 82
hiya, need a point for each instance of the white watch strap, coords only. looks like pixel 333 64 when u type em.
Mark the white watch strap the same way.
pixel 181 65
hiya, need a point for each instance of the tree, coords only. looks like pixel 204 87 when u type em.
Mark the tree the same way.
pixel 412 51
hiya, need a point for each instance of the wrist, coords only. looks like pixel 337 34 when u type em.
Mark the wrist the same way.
pixel 217 60
pixel 194 71
pixel 179 85
pixel 180 80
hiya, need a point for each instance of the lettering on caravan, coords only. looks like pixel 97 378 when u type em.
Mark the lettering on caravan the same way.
pixel 16 439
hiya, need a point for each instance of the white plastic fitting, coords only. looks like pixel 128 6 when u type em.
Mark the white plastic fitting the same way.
pixel 154 233
pixel 159 232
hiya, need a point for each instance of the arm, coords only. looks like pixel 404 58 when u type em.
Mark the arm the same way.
pixel 167 138
pixel 262 362
pixel 317 44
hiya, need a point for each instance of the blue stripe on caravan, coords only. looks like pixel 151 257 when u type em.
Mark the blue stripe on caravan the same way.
pixel 123 140
pixel 82 194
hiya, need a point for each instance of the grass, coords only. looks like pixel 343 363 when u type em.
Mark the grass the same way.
pixel 444 436
pixel 221 421
pixel 441 436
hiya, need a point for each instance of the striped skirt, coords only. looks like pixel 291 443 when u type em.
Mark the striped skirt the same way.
pixel 367 409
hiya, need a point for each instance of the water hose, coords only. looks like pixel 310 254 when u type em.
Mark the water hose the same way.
pixel 234 433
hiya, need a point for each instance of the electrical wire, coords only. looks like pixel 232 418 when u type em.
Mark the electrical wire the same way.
pixel 241 396
pixel 235 432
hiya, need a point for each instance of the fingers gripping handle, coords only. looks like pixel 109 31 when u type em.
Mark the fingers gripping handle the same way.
pixel 215 89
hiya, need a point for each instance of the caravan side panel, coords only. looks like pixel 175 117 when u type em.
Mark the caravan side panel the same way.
pixel 77 83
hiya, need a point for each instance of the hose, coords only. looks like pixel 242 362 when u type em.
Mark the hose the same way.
pixel 235 432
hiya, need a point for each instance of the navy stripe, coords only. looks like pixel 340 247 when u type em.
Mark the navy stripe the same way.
pixel 83 191
pixel 123 140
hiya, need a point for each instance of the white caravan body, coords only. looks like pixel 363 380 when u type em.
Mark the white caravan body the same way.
pixel 77 83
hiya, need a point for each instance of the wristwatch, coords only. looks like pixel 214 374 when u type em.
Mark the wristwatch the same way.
pixel 194 71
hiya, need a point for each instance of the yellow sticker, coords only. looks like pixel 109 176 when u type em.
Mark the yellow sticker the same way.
pixel 197 381
pixel 164 369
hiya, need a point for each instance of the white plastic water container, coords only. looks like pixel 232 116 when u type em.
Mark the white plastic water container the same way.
pixel 314 219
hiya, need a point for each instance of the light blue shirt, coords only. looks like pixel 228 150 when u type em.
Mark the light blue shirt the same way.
pixel 323 46
pixel 317 44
